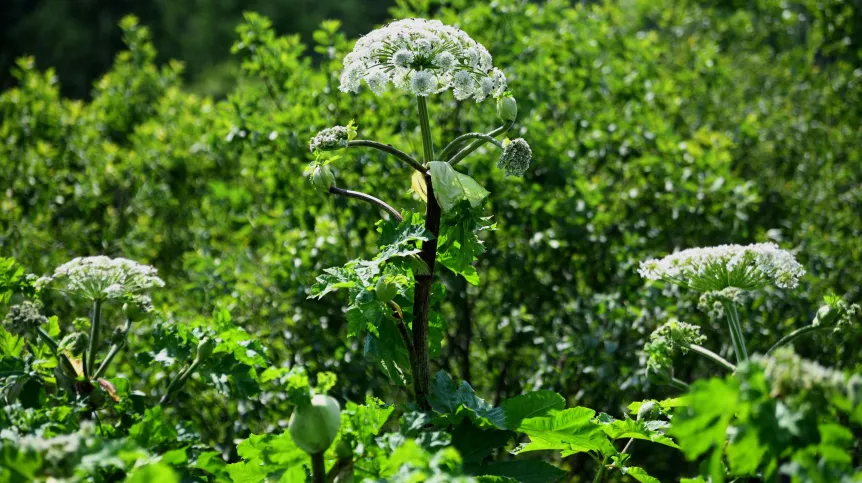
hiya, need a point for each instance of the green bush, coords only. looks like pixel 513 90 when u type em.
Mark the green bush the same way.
pixel 654 126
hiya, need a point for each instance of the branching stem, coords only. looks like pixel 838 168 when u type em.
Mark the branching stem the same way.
pixel 389 149
pixel 711 356
pixel 787 339
pixel 470 135
pixel 367 198
pixel 115 349
pixel 479 142
pixel 678 384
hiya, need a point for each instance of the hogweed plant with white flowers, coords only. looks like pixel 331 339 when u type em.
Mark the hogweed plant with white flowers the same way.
pixel 100 279
pixel 422 58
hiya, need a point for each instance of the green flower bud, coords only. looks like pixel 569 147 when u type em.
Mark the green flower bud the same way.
pixel 24 318
pixel 74 343
pixel 516 157
pixel 313 427
pixel 385 290
pixel 118 336
pixel 343 450
pixel 322 178
pixel 205 349
pixel 507 108
pixel 646 410
pixel 826 315
pixel 138 308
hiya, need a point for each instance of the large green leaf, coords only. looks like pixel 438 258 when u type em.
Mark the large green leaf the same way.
pixel 451 187
pixel 523 471
pixel 569 431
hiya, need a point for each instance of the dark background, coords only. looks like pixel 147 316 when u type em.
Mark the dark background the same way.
pixel 79 38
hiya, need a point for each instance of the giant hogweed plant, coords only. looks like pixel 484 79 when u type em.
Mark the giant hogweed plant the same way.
pixel 447 432
pixel 777 416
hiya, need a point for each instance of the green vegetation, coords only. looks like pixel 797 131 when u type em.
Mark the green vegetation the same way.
pixel 475 288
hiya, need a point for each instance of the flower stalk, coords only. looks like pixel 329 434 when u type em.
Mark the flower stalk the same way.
pixel 318 468
pixel 388 149
pixel 367 198
pixel 789 338
pixel 479 142
pixel 735 327
pixel 94 337
pixel 703 351
pixel 113 351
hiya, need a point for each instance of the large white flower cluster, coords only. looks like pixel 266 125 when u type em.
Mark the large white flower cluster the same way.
pixel 422 57
pixel 102 278
pixel 747 267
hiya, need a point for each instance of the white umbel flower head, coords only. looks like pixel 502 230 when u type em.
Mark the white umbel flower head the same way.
pixel 102 278
pixel 516 157
pixel 746 267
pixel 422 57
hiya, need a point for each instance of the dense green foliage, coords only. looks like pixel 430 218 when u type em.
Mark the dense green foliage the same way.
pixel 653 126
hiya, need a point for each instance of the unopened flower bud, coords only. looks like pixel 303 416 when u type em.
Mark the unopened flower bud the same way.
pixel 313 426
pixel 507 108
pixel 24 318
pixel 138 308
pixel 322 178
pixel 118 336
pixel 74 343
pixel 205 349
pixel 646 410
pixel 826 315
pixel 385 290
pixel 516 157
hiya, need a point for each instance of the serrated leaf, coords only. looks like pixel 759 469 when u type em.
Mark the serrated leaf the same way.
pixel 530 405
pixel 639 474
pixel 474 443
pixel 629 428
pixel 569 431
pixel 457 401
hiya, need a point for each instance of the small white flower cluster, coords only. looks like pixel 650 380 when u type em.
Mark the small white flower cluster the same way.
pixel 330 139
pixel 747 267
pixel 422 57
pixel 103 278
pixel 790 374
pixel 516 157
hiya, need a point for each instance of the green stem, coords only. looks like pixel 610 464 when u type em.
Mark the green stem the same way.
pixel 115 349
pixel 787 339
pixel 179 381
pixel 55 349
pixel 425 127
pixel 711 356
pixel 94 337
pixel 601 473
pixel 736 336
pixel 676 383
pixel 479 142
pixel 368 199
pixel 470 135
pixel 389 149
pixel 318 468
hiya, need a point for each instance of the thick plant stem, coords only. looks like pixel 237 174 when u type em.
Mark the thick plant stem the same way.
pixel 712 356
pixel 787 339
pixel 736 336
pixel 318 468
pixel 94 337
pixel 367 198
pixel 422 290
pixel 179 381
